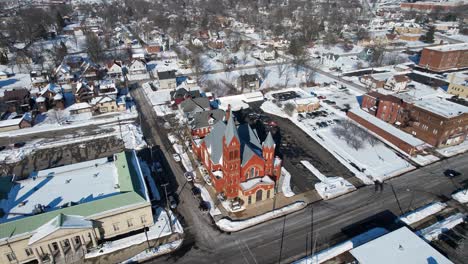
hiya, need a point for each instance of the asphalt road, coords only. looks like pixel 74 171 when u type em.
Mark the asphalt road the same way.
pixel 288 238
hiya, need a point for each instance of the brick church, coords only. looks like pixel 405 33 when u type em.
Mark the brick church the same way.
pixel 239 165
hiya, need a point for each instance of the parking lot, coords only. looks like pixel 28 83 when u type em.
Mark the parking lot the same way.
pixel 294 146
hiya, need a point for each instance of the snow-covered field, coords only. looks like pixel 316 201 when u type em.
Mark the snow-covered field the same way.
pixel 433 232
pixel 422 212
pixel 461 196
pixel 343 247
pixel 234 226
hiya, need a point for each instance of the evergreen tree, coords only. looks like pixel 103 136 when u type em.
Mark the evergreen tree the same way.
pixel 429 36
pixel 59 21
pixel 3 58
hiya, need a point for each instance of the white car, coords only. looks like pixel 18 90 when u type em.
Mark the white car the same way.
pixel 176 157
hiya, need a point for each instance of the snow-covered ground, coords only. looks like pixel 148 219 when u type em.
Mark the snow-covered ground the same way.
pixel 154 252
pixel 186 162
pixel 374 162
pixel 461 196
pixel 454 150
pixel 329 187
pixel 161 228
pixel 234 226
pixel 343 247
pixel 207 198
pixel 433 232
pixel 145 169
pixel 422 212
pixel 286 184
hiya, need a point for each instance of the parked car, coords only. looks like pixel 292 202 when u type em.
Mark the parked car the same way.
pixel 196 191
pixel 321 97
pixel 188 175
pixel 172 202
pixel 204 206
pixel 451 173
pixel 176 157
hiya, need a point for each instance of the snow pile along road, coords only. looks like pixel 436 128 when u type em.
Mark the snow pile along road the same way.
pixel 286 186
pixel 433 232
pixel 461 196
pixel 422 212
pixel 234 226
pixel 154 252
pixel 207 198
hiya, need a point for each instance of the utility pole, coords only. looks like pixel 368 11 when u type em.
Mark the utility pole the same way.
pixel 146 235
pixel 167 205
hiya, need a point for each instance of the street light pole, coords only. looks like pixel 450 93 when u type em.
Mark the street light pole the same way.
pixel 167 205
pixel 146 235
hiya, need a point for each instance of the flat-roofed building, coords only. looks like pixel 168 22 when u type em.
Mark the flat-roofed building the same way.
pixel 70 209
pixel 445 57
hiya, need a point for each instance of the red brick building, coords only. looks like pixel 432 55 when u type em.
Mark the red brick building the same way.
pixel 445 57
pixel 384 107
pixel 239 165
pixel 436 121
pixel 429 7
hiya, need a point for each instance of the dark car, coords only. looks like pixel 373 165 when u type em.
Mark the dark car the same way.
pixel 196 191
pixel 204 206
pixel 451 173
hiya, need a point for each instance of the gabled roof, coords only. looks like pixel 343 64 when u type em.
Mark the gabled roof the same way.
pixel 231 130
pixel 214 141
pixel 195 104
pixel 166 75
pixel 61 221
pixel 201 119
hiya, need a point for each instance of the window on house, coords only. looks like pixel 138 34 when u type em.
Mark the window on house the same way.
pixel 268 194
pixel 11 256
pixel 116 227
pixel 130 222
pixel 28 251
pixel 435 131
pixel 252 172
pixel 143 219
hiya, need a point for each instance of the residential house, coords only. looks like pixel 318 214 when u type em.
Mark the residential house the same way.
pixel 114 69
pixel 137 67
pixel 216 43
pixel 240 165
pixel 167 79
pixel 105 87
pixel 16 100
pixel 266 54
pixel 90 70
pixel 190 106
pixel 180 94
pixel 79 108
pixel 105 104
pixel 202 122
pixel 18 122
pixel 458 84
pixel 39 78
pixel 248 82
pixel 3 75
pixel 83 91
pixel 374 81
pixel 397 83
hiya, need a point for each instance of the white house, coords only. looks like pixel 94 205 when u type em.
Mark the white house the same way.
pixel 114 69
pixel 137 67
pixel 397 83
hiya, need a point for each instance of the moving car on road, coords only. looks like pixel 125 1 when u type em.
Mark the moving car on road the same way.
pixel 451 173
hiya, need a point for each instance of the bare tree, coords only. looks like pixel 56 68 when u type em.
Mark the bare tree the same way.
pixel 281 66
pixel 94 47
pixel 262 71
pixel 289 108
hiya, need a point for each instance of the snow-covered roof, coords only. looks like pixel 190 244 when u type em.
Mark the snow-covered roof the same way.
pixel 40 99
pixel 441 107
pixel 409 139
pixel 10 122
pixel 101 99
pixel 249 184
pixel 451 47
pixel 58 96
pixel 61 221
pixel 79 183
pixel 79 106
pixel 399 246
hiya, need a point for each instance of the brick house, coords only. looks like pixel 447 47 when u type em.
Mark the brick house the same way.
pixel 305 105
pixel 445 57
pixel 180 94
pixel 239 165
